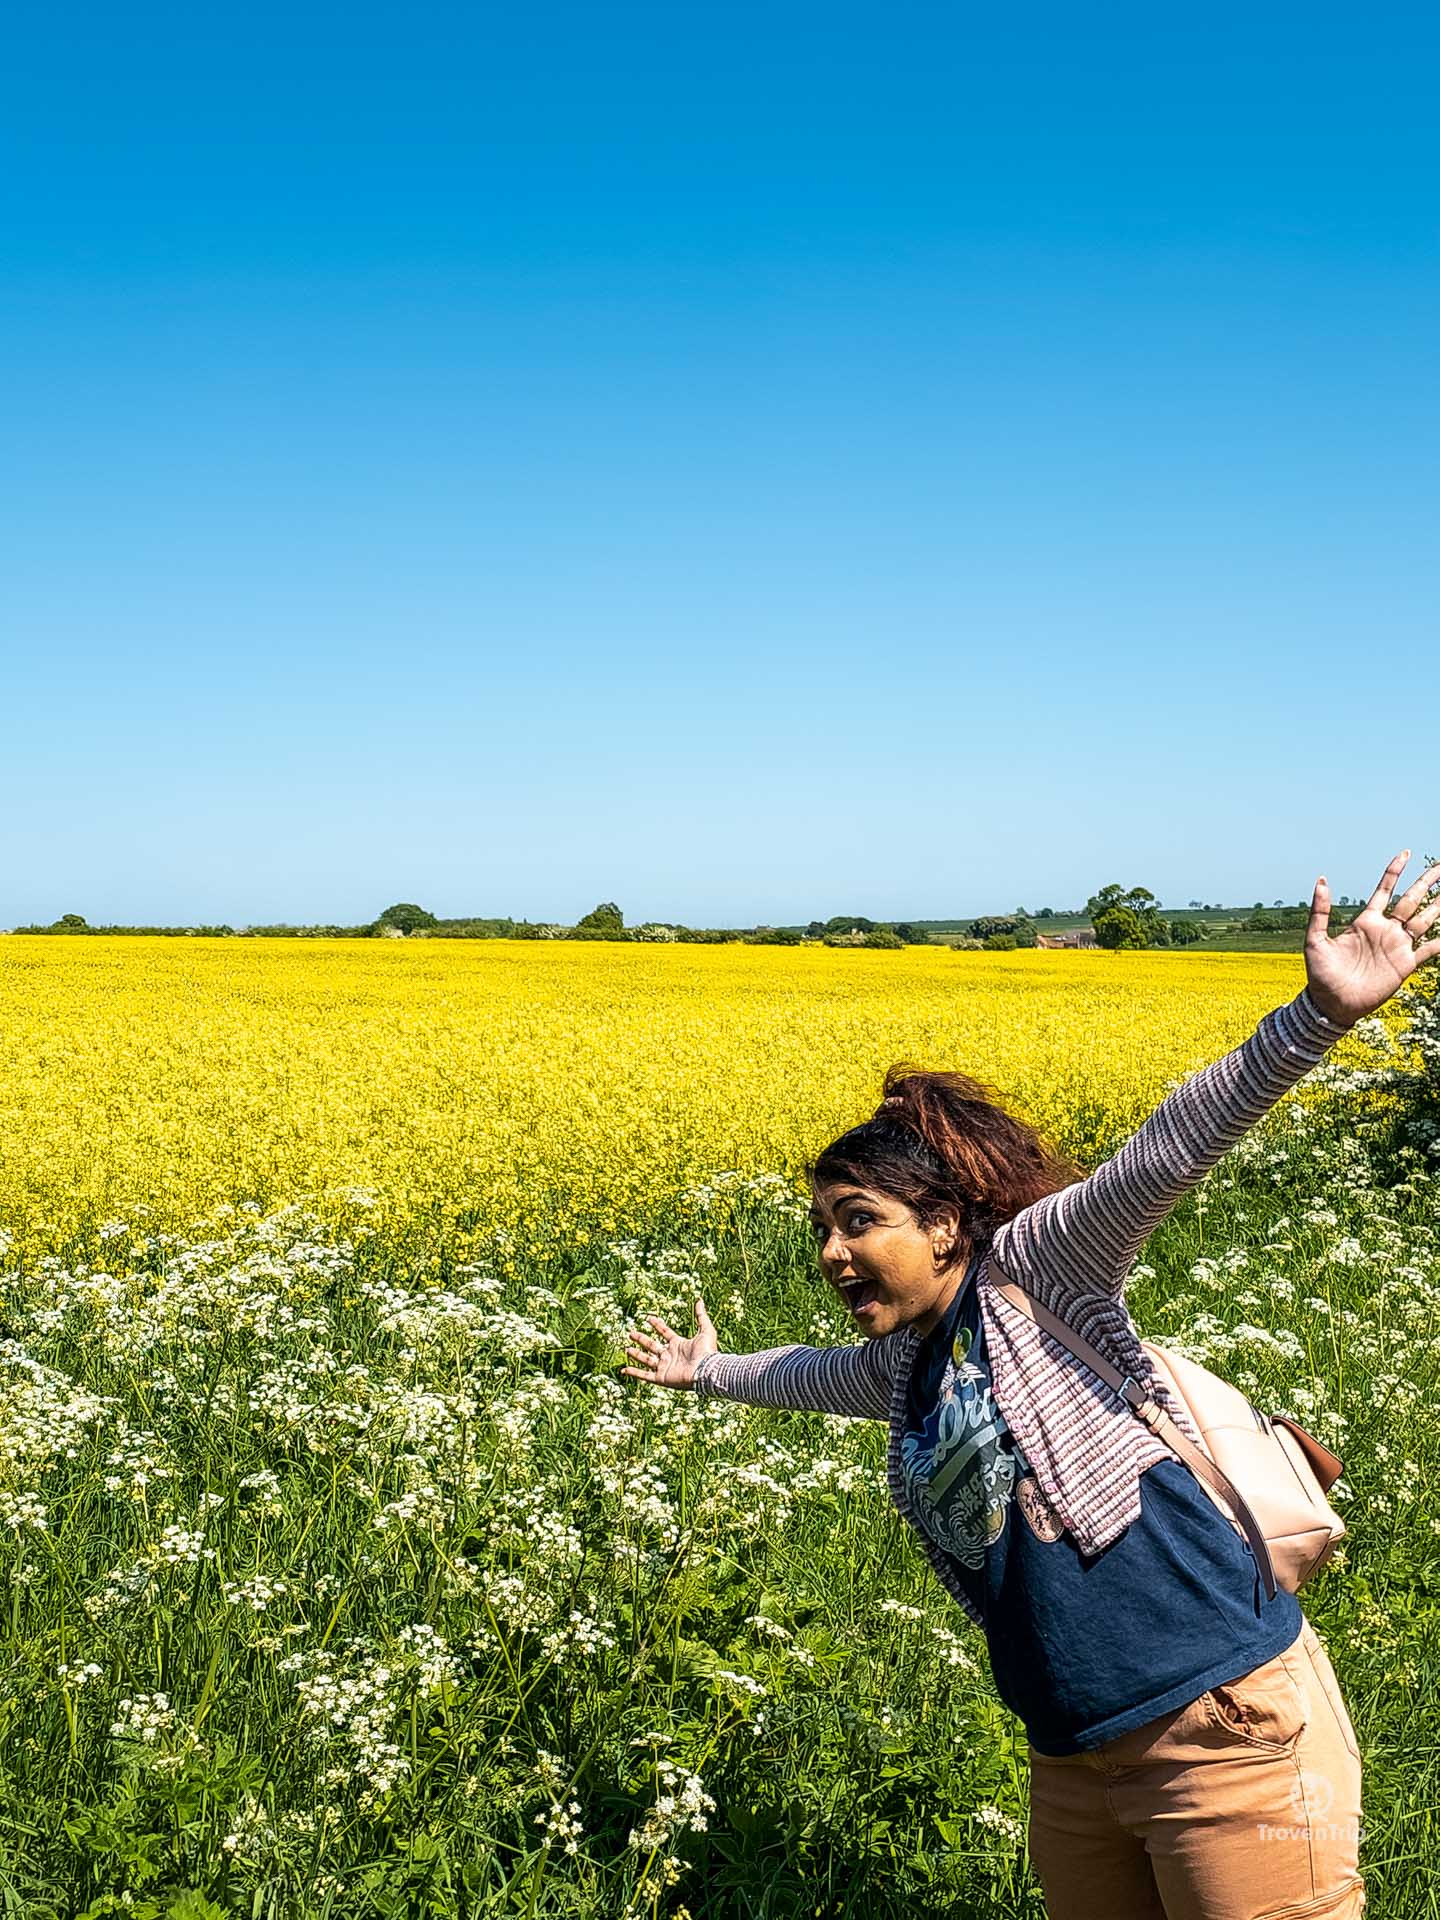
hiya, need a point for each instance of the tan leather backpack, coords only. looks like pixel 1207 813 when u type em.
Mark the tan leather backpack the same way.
pixel 1264 1471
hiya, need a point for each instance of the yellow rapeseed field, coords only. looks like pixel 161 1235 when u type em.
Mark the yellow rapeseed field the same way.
pixel 551 1088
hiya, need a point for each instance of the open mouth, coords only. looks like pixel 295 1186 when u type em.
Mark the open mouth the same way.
pixel 860 1296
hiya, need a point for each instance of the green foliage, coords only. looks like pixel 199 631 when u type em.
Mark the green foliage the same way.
pixel 1017 928
pixel 1000 943
pixel 604 922
pixel 877 1777
pixel 476 929
pixel 1186 933
pixel 1126 919
pixel 74 923
pixel 884 937
pixel 406 917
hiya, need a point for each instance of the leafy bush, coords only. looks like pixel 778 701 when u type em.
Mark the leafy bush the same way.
pixel 406 917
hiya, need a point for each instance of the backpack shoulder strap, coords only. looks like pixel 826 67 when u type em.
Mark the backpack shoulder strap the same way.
pixel 1145 1408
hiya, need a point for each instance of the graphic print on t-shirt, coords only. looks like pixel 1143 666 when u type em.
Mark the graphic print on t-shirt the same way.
pixel 960 1464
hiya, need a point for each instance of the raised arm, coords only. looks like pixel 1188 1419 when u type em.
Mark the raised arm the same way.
pixel 1086 1237
pixel 853 1379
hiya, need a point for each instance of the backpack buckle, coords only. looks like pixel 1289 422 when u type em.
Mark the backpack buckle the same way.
pixel 1139 1401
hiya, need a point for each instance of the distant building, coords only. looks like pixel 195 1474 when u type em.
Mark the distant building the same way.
pixel 1078 937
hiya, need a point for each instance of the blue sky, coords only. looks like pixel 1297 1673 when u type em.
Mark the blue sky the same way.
pixel 746 463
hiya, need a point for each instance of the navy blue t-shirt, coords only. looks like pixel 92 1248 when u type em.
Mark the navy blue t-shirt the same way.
pixel 1082 1648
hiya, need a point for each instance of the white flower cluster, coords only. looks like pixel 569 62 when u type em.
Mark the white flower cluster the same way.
pixel 259 1493
pixel 147 1717
pixel 76 1674
pixel 562 1826
pixel 421 1506
pixel 515 1414
pixel 349 1709
pixel 256 1592
pixel 743 1683
pixel 123 1587
pixel 763 1624
pixel 432 1314
pixel 138 1461
pixel 771 1190
pixel 44 1417
pixel 953 1651
pixel 1001 1824
pixel 681 1805
pixel 148 1721
pixel 178 1546
pixel 21 1510
pixel 433 1663
pixel 581 1635
pixel 251 1832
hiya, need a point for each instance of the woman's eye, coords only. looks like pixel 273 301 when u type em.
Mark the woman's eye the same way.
pixel 859 1215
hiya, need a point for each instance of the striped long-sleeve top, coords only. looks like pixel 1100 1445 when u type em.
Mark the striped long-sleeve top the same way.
pixel 1073 1250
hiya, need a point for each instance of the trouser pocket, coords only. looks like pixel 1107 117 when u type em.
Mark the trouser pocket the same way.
pixel 1264 1708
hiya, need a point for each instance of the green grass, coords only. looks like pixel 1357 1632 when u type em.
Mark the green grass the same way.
pixel 489 1581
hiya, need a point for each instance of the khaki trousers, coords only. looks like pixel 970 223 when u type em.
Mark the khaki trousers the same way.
pixel 1243 1805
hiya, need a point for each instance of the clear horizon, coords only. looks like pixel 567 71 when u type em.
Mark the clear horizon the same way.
pixel 714 462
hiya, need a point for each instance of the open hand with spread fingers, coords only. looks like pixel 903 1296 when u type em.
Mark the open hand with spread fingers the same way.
pixel 667 1358
pixel 1356 972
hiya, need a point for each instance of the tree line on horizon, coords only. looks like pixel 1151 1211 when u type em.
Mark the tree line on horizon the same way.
pixel 1122 919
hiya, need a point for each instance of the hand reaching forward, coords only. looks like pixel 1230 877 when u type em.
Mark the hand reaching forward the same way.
pixel 671 1360
pixel 1356 972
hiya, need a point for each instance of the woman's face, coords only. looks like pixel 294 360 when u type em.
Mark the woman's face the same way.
pixel 889 1270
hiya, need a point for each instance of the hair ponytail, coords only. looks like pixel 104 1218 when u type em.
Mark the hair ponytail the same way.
pixel 939 1139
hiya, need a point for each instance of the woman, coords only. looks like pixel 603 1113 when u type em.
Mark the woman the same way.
pixel 1191 1754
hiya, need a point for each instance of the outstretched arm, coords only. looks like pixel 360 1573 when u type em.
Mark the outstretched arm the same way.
pixel 1085 1238
pixel 852 1380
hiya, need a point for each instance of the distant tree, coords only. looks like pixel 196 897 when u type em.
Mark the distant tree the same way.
pixel 815 930
pixel 912 935
pixel 1194 903
pixel 73 923
pixel 885 937
pixel 406 917
pixel 1045 913
pixel 1120 928
pixel 605 922
pixel 1186 933
pixel 1000 943
pixel 1125 920
pixel 848 923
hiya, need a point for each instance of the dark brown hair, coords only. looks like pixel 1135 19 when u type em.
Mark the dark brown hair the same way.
pixel 939 1138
